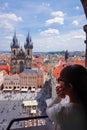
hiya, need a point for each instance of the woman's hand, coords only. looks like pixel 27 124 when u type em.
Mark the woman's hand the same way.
pixel 60 89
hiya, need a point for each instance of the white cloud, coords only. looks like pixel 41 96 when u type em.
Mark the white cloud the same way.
pixel 7 25
pixel 8 20
pixel 75 34
pixel 71 41
pixel 50 32
pixel 78 37
pixel 75 22
pixel 77 7
pixel 56 20
pixel 10 16
pixel 57 14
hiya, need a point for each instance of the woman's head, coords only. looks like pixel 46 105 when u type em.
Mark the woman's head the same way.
pixel 75 80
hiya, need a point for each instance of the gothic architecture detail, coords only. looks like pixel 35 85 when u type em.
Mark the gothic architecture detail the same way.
pixel 21 59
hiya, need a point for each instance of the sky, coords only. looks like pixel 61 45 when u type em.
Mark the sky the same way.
pixel 54 25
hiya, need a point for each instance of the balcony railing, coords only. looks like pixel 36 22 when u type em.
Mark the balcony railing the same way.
pixel 41 127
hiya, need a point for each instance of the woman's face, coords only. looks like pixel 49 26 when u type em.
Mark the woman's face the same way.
pixel 60 89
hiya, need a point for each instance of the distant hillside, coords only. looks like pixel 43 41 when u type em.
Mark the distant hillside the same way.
pixel 51 52
pixel 73 53
pixel 5 51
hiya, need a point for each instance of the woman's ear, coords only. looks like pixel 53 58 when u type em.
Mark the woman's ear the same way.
pixel 70 87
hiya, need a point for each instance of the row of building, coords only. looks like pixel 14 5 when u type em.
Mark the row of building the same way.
pixel 28 79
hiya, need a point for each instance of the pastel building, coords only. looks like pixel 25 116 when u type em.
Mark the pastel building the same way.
pixel 32 78
pixel 28 79
pixel 11 82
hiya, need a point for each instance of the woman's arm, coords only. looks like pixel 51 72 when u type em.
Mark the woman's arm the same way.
pixel 53 109
pixel 56 100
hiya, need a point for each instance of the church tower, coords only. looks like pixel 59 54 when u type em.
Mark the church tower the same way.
pixel 21 59
pixel 14 46
pixel 14 52
pixel 28 52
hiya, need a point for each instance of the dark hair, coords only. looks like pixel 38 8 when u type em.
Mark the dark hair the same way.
pixel 77 76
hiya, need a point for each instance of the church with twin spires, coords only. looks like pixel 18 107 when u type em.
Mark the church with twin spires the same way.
pixel 21 59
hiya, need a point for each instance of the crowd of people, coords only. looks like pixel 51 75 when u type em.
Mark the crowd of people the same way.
pixel 11 106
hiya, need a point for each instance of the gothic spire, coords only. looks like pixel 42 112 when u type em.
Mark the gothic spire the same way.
pixel 14 43
pixel 28 43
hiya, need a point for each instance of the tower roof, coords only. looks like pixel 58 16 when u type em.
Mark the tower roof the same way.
pixel 29 43
pixel 14 43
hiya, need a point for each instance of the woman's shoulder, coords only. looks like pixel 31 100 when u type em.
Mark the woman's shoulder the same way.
pixel 73 108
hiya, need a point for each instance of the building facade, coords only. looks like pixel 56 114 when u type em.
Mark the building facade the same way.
pixel 11 82
pixel 28 79
pixel 32 78
pixel 21 59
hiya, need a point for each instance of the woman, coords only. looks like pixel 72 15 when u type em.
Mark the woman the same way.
pixel 70 115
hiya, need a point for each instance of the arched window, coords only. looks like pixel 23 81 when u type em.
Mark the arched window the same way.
pixel 14 52
pixel 28 52
pixel 21 66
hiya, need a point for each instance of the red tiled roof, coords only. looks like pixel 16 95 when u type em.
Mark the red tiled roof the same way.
pixel 80 62
pixel 57 70
pixel 6 67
